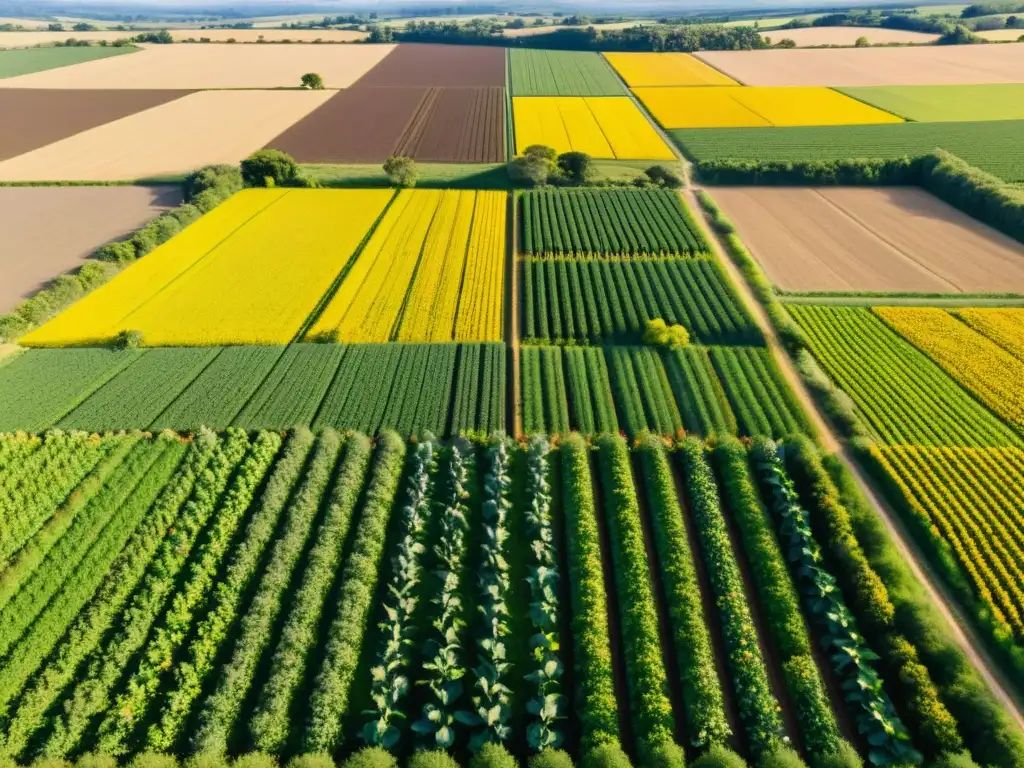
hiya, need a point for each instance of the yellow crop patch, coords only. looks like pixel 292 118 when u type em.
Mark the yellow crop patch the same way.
pixel 731 107
pixel 407 284
pixel 249 272
pixel 606 127
pixel 665 69
pixel 1004 326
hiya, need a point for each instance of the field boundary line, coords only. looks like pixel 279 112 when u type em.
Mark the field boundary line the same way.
pixel 114 373
pixel 958 624
pixel 513 413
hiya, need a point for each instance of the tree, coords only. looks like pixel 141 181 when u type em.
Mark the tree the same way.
pixel 862 42
pixel 83 27
pixel 269 168
pixel 576 166
pixel 312 81
pixel 530 170
pixel 664 177
pixel 786 42
pixel 401 170
pixel 55 27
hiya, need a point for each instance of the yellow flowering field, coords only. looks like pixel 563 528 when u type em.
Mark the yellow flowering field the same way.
pixel 665 69
pixel 606 127
pixel 407 282
pixel 1003 325
pixel 249 272
pixel 981 366
pixel 732 107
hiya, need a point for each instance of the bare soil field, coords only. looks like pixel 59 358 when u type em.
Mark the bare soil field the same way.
pixel 367 125
pixel 926 65
pixel 42 37
pixel 811 36
pixel 438 66
pixel 192 67
pixel 49 230
pixel 202 128
pixel 850 239
pixel 35 118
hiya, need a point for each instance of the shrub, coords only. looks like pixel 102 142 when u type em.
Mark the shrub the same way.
pixel 312 81
pixel 116 253
pixel 50 762
pixel 550 758
pixel 371 757
pixel 144 241
pixel 92 274
pixel 659 334
pixel 402 171
pixel 493 756
pixel 668 754
pixel 784 757
pixel 608 755
pixel 432 758
pixel 844 757
pixel 269 164
pixel 314 760
pixel 576 166
pixel 96 760
pixel 200 760
pixel 128 339
pixel 255 760
pixel 719 756
pixel 164 228
pixel 185 214
pixel 664 177
pixel 224 179
pixel 153 760
pixel 955 760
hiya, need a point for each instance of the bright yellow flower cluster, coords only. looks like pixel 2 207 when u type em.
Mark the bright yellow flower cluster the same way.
pixel 664 69
pixel 607 127
pixel 407 284
pixel 250 272
pixel 988 371
pixel 732 107
pixel 1004 326
pixel 971 497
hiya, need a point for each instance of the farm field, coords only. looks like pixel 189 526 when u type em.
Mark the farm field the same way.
pixel 191 67
pixel 35 251
pixel 923 65
pixel 985 145
pixel 370 124
pixel 438 66
pixel 664 69
pixel 35 118
pixel 561 73
pixel 433 270
pixel 812 36
pixel 728 107
pixel 442 389
pixel 1001 35
pixel 151 143
pixel 251 272
pixel 849 239
pixel 1003 326
pixel 603 127
pixel 947 103
pixel 22 62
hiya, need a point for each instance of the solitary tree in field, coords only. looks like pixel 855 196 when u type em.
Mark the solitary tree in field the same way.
pixel 269 168
pixel 862 42
pixel 312 81
pixel 575 166
pixel 402 171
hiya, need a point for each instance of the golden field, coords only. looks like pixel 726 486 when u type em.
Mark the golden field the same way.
pixel 1004 326
pixel 982 367
pixel 407 283
pixel 250 272
pixel 731 107
pixel 607 127
pixel 665 69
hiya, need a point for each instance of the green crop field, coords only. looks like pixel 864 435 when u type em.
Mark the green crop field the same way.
pixel 562 73
pixel 990 146
pixel 24 61
pixel 946 103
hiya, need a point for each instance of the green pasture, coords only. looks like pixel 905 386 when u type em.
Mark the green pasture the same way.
pixel 562 73
pixel 946 103
pixel 25 61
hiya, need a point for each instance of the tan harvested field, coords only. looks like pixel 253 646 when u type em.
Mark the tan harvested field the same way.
pixel 811 36
pixel 1001 35
pixel 205 127
pixel 926 65
pixel 529 31
pixel 850 239
pixel 192 67
pixel 28 39
pixel 49 230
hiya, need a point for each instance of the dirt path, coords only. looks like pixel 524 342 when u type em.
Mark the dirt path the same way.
pixel 958 623
pixel 7 350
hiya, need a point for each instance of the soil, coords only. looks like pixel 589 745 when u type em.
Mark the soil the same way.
pixel 438 66
pixel 35 251
pixel 870 239
pixel 35 118
pixel 922 65
pixel 811 36
pixel 199 129
pixel 191 67
pixel 368 125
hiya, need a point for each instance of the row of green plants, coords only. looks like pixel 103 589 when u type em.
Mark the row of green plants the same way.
pixel 576 302
pixel 584 223
pixel 699 393
pixel 642 392
pixel 590 390
pixel 204 190
pixel 761 400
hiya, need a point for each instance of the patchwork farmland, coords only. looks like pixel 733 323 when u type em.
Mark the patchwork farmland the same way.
pixel 455 413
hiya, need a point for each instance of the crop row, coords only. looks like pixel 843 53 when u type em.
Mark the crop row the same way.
pixel 412 388
pixel 621 222
pixel 720 390
pixel 584 301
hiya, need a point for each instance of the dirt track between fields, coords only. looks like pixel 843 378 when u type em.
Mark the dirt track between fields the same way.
pixel 35 118
pixel 856 239
pixel 438 66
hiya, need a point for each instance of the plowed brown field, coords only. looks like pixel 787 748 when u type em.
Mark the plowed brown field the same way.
pixel 35 118
pixel 49 230
pixel 861 239
pixel 367 125
pixel 438 66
